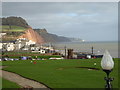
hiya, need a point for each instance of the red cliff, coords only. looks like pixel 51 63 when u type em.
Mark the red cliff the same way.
pixel 32 35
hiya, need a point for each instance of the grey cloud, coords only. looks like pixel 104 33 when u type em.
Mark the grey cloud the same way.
pixel 87 20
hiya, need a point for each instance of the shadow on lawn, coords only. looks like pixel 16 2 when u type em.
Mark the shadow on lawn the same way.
pixel 88 68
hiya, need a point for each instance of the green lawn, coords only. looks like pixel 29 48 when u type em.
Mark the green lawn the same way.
pixel 7 84
pixel 13 28
pixel 64 73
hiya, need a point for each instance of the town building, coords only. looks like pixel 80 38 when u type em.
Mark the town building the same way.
pixel 23 44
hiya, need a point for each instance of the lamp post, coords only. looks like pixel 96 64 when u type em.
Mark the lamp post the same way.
pixel 65 52
pixel 107 66
pixel 92 49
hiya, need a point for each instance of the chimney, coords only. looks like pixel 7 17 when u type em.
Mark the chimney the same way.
pixel 70 54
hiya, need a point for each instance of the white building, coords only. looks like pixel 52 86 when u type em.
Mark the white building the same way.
pixel 2 34
pixel 10 47
pixel 30 42
pixel 1 45
pixel 41 51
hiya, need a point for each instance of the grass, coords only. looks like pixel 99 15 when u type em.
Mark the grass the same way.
pixel 8 84
pixel 63 73
pixel 13 28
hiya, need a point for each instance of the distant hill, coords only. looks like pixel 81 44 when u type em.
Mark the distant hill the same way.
pixel 48 37
pixel 76 40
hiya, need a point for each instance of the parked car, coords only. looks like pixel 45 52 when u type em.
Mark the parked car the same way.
pixel 5 59
pixel 23 58
pixel 11 59
pixel 39 59
pixel 16 59
pixel 33 59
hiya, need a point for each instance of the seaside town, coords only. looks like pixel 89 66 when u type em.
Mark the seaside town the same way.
pixel 59 45
pixel 25 45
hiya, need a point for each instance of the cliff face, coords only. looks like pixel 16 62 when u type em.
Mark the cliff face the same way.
pixel 48 37
pixel 32 35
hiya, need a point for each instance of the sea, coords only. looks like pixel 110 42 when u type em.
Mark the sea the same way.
pixel 98 47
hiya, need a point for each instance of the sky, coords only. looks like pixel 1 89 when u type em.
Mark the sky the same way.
pixel 91 21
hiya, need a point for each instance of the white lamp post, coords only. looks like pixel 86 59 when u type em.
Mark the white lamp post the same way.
pixel 107 66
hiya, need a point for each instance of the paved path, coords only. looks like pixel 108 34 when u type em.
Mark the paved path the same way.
pixel 25 83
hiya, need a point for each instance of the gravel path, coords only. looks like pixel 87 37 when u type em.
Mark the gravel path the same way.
pixel 25 83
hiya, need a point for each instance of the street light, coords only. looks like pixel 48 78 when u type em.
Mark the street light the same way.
pixel 107 66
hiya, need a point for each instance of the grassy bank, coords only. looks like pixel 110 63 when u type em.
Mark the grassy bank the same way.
pixel 64 73
pixel 8 84
pixel 7 28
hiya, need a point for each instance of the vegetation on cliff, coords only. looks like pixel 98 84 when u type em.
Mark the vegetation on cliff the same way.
pixel 13 27
pixel 16 21
pixel 6 28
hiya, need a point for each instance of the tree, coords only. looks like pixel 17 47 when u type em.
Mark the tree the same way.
pixel 17 21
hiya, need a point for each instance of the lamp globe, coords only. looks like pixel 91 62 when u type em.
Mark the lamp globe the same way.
pixel 107 61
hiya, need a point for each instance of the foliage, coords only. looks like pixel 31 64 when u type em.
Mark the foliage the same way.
pixel 17 21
